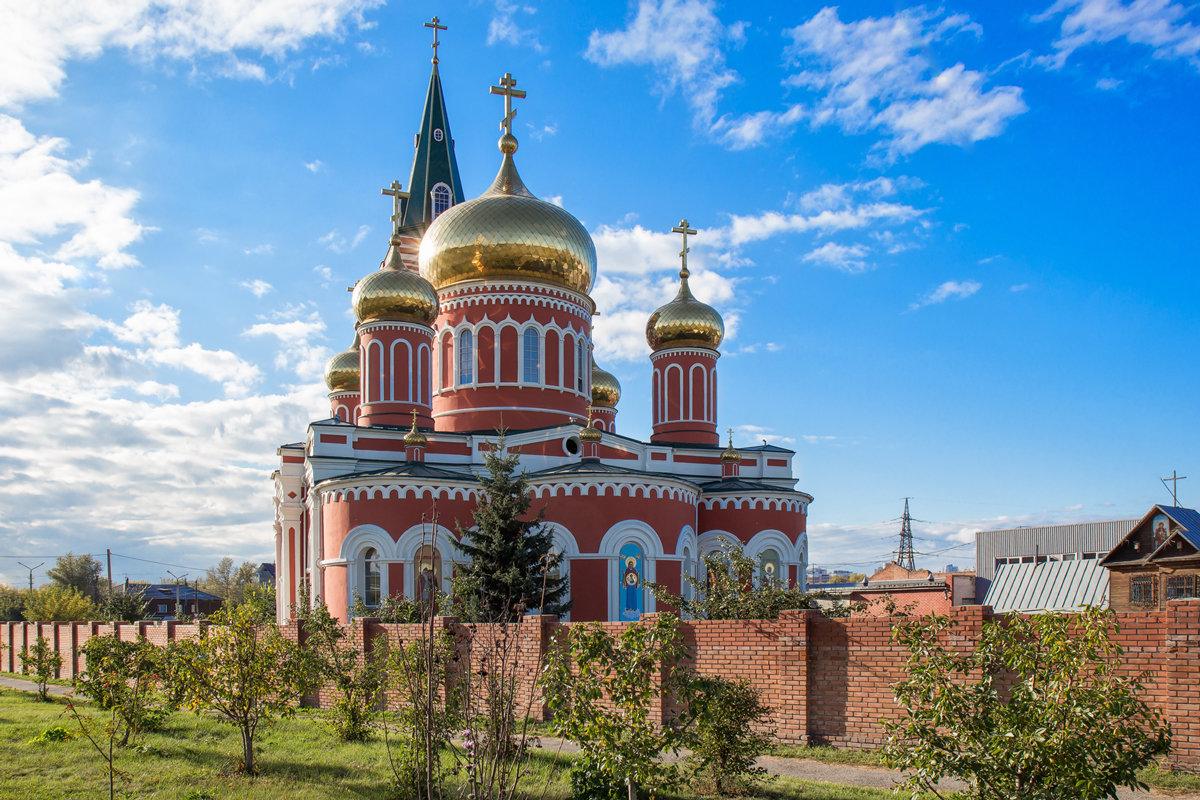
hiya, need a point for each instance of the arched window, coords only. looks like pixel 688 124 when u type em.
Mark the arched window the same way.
pixel 371 578
pixel 428 564
pixel 685 586
pixel 466 358
pixel 768 563
pixel 533 356
pixel 579 364
pixel 440 196
pixel 629 585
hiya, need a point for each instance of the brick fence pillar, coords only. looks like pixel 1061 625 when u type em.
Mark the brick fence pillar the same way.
pixel 1181 678
pixel 791 666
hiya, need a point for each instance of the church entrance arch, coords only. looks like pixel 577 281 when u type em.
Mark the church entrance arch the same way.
pixel 632 549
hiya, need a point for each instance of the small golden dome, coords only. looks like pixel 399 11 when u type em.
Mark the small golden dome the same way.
pixel 685 320
pixel 414 438
pixel 606 389
pixel 342 371
pixel 589 432
pixel 729 454
pixel 507 232
pixel 395 292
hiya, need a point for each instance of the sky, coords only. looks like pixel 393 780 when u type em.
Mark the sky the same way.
pixel 954 245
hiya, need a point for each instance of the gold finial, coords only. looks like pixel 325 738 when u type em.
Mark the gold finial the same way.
pixel 730 454
pixel 506 88
pixel 730 431
pixel 433 23
pixel 589 433
pixel 414 438
pixel 589 423
pixel 397 196
pixel 683 228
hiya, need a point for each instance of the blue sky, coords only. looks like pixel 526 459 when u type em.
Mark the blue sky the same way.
pixel 954 245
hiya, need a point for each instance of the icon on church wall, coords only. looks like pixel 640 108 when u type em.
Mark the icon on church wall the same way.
pixel 1161 529
pixel 631 582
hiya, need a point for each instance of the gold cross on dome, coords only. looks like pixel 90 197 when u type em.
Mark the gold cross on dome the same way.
pixel 506 88
pixel 589 415
pixel 683 228
pixel 731 438
pixel 397 196
pixel 434 24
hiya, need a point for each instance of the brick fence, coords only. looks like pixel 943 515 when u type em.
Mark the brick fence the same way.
pixel 829 681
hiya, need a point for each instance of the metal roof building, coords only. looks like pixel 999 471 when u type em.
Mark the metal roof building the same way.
pixel 1085 541
pixel 1051 585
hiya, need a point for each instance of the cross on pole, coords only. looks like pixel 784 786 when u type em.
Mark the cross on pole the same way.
pixel 683 228
pixel 433 23
pixel 506 88
pixel 1174 481
pixel 397 196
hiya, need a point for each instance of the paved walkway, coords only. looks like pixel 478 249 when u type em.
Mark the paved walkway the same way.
pixel 870 777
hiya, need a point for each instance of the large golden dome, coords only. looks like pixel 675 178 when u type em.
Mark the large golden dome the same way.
pixel 685 321
pixel 606 389
pixel 507 232
pixel 342 371
pixel 395 292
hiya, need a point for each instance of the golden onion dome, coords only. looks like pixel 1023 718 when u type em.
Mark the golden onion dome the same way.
pixel 606 389
pixel 589 433
pixel 342 371
pixel 414 438
pixel 685 320
pixel 395 292
pixel 508 232
pixel 729 454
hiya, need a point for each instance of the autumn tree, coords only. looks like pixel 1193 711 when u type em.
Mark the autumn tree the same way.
pixel 512 567
pixel 229 581
pixel 78 572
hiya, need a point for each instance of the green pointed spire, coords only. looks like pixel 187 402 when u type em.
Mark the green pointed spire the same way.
pixel 434 163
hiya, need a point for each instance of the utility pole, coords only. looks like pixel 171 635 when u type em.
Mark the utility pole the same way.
pixel 31 569
pixel 108 553
pixel 904 556
pixel 177 580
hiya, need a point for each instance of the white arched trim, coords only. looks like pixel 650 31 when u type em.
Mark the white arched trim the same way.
pixel 563 539
pixel 354 547
pixel 443 539
pixel 373 363
pixel 417 390
pixel 778 540
pixel 703 392
pixel 619 535
pixel 666 416
pixel 710 541
pixel 400 363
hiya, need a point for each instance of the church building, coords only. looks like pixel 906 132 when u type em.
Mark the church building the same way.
pixel 479 319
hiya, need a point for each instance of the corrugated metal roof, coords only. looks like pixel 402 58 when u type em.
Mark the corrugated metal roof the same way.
pixel 1189 522
pixel 1081 537
pixel 1048 586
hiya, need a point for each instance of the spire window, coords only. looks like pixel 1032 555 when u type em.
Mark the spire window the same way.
pixel 466 358
pixel 441 198
pixel 532 371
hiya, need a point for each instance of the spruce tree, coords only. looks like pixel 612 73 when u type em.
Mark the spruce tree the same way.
pixel 511 568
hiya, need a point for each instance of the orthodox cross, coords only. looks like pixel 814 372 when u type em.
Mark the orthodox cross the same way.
pixel 589 422
pixel 397 196
pixel 506 88
pixel 1174 481
pixel 683 228
pixel 731 438
pixel 434 24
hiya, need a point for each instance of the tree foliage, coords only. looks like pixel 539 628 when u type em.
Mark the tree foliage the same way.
pixel 58 604
pixel 43 662
pixel 122 676
pixel 1038 709
pixel 12 603
pixel 228 581
pixel 601 688
pixel 512 567
pixel 357 681
pixel 728 736
pixel 123 607
pixel 78 572
pixel 733 589
pixel 246 673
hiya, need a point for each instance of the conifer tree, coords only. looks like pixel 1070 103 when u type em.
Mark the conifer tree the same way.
pixel 510 549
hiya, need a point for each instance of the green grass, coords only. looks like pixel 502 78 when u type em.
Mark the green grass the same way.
pixel 193 758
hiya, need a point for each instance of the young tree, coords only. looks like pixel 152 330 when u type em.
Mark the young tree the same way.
pixel 78 572
pixel 510 550
pixel 730 590
pixel 247 673
pixel 125 608
pixel 121 676
pixel 227 581
pixel 43 662
pixel 358 682
pixel 1038 708
pixel 729 735
pixel 58 604
pixel 601 689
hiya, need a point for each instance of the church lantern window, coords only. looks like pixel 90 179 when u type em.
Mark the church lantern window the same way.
pixel 440 198
pixel 629 585
pixel 532 344
pixel 372 584
pixel 466 358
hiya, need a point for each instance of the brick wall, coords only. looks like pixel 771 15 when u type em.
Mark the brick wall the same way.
pixel 828 680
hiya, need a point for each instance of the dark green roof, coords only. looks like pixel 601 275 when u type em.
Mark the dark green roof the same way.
pixel 433 163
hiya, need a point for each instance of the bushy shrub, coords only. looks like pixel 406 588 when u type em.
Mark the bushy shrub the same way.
pixel 358 682
pixel 724 740
pixel 123 675
pixel 58 604
pixel 124 608
pixel 43 662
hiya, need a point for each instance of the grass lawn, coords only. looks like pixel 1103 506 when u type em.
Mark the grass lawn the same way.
pixel 192 758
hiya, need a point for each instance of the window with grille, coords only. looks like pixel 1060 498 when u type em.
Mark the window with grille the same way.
pixel 1181 586
pixel 441 198
pixel 533 356
pixel 466 358
pixel 1143 591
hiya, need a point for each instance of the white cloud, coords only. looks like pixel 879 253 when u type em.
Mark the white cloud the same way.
pixel 316 165
pixel 1020 287
pixel 264 249
pixel 504 28
pixel 878 74
pixel 950 290
pixel 338 243
pixel 38 39
pixel 295 328
pixel 681 40
pixel 257 287
pixel 1158 24
pixel 846 258
pixel 1107 84
pixel 540 133
pixel 752 435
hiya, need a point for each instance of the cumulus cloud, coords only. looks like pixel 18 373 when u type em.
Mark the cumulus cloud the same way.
pixel 877 74
pixel 1157 24
pixel 338 243
pixel 681 40
pixel 504 28
pixel 294 330
pixel 950 290
pixel 847 258
pixel 257 287
pixel 316 165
